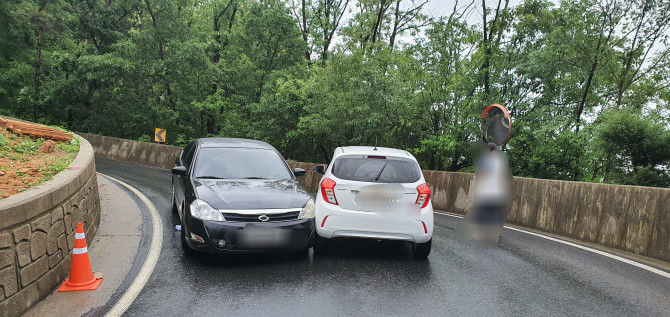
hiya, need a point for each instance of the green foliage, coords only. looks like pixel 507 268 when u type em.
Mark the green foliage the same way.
pixel 27 146
pixel 570 73
pixel 639 148
pixel 71 148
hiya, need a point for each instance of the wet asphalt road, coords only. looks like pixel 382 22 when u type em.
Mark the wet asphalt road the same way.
pixel 525 275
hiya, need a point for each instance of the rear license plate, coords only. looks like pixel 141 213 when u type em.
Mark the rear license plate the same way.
pixel 376 195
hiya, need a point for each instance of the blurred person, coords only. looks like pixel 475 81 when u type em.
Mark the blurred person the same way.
pixel 491 197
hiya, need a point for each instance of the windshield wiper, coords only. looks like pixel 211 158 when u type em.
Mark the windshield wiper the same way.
pixel 255 177
pixel 211 177
pixel 381 171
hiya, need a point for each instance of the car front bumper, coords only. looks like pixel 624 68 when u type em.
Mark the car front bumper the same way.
pixel 248 237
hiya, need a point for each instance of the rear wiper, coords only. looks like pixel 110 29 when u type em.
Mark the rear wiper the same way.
pixel 381 171
pixel 254 177
pixel 211 177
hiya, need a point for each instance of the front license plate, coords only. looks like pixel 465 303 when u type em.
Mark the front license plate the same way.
pixel 258 237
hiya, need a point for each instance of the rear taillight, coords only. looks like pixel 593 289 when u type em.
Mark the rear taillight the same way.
pixel 328 191
pixel 424 195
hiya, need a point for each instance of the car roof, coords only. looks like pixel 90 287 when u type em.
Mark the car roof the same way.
pixel 370 150
pixel 233 142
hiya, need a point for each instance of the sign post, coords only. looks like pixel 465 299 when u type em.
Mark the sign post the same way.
pixel 159 135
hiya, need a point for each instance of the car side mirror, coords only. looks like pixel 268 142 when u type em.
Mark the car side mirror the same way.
pixel 299 172
pixel 319 169
pixel 179 170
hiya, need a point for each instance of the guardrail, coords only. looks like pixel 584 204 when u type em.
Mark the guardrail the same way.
pixel 37 232
pixel 629 218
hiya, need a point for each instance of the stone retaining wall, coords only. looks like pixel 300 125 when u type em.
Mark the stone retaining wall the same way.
pixel 37 232
pixel 629 218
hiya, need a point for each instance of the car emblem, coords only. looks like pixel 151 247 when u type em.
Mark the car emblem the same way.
pixel 263 218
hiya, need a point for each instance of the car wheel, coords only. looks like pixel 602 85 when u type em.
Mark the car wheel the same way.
pixel 184 246
pixel 319 244
pixel 422 250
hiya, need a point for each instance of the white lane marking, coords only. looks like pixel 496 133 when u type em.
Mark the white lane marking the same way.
pixel 603 253
pixel 152 257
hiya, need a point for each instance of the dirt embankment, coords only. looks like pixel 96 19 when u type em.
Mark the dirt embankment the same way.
pixel 26 161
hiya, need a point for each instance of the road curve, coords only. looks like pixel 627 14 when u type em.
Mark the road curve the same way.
pixel 525 275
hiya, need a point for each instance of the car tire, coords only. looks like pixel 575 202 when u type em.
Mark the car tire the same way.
pixel 320 244
pixel 174 201
pixel 422 250
pixel 184 246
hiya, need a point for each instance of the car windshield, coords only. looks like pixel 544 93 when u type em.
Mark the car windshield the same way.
pixel 389 170
pixel 240 163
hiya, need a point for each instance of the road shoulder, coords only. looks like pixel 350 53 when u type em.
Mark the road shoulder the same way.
pixel 112 252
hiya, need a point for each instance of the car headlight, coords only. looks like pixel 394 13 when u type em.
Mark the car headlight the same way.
pixel 307 211
pixel 203 211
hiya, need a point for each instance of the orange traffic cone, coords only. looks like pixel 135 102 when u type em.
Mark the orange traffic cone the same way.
pixel 81 276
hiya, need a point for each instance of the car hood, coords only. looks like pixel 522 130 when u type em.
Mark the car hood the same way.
pixel 251 194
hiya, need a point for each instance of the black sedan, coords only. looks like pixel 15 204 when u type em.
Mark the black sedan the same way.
pixel 238 195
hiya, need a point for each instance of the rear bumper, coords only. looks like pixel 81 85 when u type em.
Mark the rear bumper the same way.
pixel 296 235
pixel 332 221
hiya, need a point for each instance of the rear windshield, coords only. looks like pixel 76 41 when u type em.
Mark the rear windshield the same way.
pixel 238 163
pixel 390 170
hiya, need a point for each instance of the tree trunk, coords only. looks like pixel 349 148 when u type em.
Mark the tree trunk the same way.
pixel 380 17
pixel 487 51
pixel 38 58
pixel 396 22
pixel 305 31
pixel 587 87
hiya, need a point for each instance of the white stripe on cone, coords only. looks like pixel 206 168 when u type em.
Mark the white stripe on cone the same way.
pixel 78 235
pixel 79 250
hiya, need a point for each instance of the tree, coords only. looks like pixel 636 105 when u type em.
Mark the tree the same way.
pixel 639 148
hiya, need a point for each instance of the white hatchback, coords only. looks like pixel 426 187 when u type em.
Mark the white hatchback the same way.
pixel 374 192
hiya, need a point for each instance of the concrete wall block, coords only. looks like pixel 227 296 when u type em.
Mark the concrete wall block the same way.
pixel 5 240
pixel 568 213
pixel 62 244
pixel 70 241
pixel 56 214
pixel 660 235
pixel 23 253
pixel 528 203
pixel 612 222
pixel 33 271
pixel 590 212
pixel 38 245
pixel 59 195
pixel 55 258
pixel 52 236
pixel 8 281
pixel 639 220
pixel 47 283
pixel 22 233
pixel 548 209
pixel 83 209
pixel 42 223
pixel 20 302
pixel 6 258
